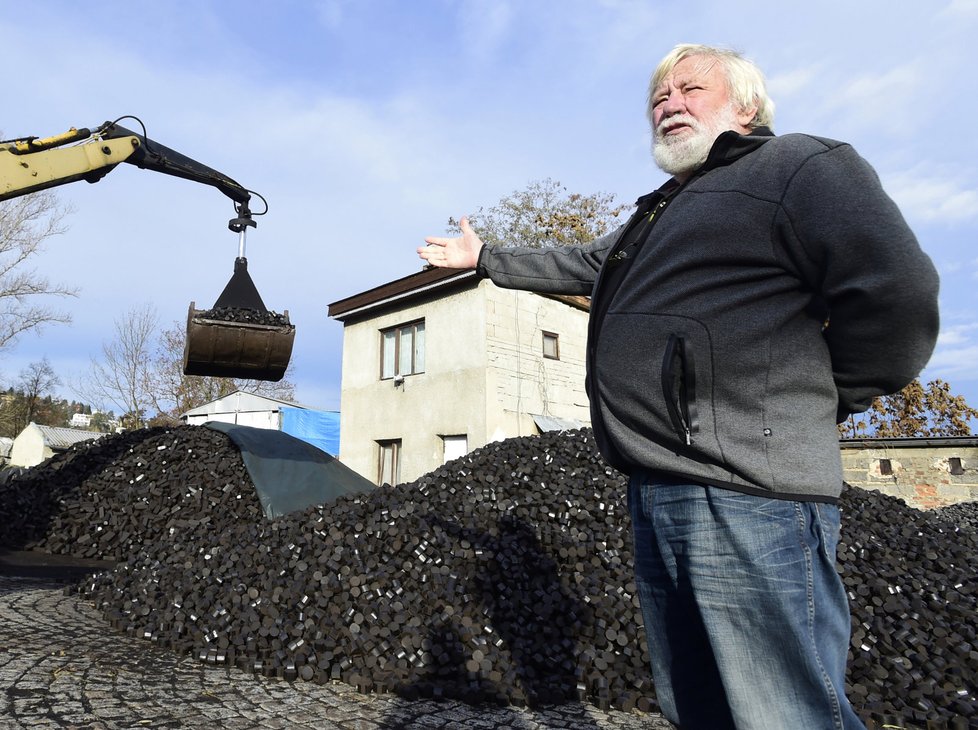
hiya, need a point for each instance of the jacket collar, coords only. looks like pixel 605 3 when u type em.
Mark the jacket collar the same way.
pixel 729 147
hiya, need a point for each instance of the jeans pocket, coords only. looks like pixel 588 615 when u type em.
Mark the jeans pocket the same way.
pixel 829 528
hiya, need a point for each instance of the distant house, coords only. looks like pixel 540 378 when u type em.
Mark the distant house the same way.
pixel 924 472
pixel 319 428
pixel 6 443
pixel 80 420
pixel 441 362
pixel 36 443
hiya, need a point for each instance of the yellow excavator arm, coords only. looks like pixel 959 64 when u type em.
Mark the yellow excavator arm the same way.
pixel 238 337
pixel 30 166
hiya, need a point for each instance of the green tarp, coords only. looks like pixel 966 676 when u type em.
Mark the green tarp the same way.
pixel 290 474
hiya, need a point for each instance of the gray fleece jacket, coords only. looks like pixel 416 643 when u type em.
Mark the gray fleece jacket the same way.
pixel 776 292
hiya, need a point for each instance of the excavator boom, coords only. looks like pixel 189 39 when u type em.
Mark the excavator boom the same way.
pixel 150 155
pixel 234 339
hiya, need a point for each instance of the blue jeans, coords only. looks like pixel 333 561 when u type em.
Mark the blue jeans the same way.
pixel 746 616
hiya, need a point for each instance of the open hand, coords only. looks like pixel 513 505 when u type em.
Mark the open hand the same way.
pixel 459 252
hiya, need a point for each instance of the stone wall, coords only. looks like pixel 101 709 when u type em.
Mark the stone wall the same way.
pixel 924 472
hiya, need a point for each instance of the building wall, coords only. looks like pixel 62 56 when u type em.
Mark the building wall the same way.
pixel 485 375
pixel 445 400
pixel 28 448
pixel 522 382
pixel 80 420
pixel 920 474
pixel 270 419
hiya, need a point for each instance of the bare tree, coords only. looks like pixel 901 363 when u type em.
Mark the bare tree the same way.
pixel 141 374
pixel 544 214
pixel 25 224
pixel 123 377
pixel 36 380
pixel 175 393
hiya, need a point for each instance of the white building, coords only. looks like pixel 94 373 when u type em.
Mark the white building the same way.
pixel 6 444
pixel 442 362
pixel 80 420
pixel 36 443
pixel 319 428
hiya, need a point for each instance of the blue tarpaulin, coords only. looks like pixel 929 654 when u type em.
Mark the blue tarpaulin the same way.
pixel 319 428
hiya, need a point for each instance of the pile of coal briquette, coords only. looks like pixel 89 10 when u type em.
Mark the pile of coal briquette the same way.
pixel 104 498
pixel 964 515
pixel 503 576
pixel 243 315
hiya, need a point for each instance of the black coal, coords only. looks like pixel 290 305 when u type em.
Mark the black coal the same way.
pixel 243 315
pixel 964 515
pixel 503 576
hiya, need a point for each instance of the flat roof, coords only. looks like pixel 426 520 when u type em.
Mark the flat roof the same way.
pixel 908 442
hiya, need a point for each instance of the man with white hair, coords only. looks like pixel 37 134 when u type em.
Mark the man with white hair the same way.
pixel 766 291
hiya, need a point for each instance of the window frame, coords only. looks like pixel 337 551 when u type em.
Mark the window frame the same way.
pixel 551 337
pixel 453 438
pixel 414 368
pixel 394 447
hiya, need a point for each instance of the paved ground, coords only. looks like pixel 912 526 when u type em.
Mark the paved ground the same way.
pixel 64 667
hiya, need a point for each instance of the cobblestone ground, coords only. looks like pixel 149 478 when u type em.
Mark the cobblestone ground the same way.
pixel 63 667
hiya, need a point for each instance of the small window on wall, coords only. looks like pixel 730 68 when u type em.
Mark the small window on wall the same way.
pixel 551 346
pixel 389 462
pixel 455 446
pixel 402 350
pixel 955 466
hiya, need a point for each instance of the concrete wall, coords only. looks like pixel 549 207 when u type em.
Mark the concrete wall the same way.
pixel 920 470
pixel 521 381
pixel 484 375
pixel 28 448
pixel 445 400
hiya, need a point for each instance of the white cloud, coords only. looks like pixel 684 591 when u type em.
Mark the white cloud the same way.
pixel 793 82
pixel 956 334
pixel 877 100
pixel 961 9
pixel 930 194
pixel 955 358
pixel 954 364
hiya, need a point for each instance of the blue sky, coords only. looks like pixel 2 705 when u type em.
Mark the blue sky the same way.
pixel 366 124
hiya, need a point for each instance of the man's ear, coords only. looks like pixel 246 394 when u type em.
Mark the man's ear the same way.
pixel 746 115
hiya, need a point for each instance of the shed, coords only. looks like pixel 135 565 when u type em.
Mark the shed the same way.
pixel 36 443
pixel 319 428
pixel 6 443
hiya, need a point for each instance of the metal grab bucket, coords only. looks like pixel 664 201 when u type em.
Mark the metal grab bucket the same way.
pixel 243 350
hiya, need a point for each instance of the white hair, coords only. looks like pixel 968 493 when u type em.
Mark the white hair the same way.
pixel 745 82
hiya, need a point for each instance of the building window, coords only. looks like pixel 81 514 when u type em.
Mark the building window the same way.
pixel 402 350
pixel 455 446
pixel 955 466
pixel 389 462
pixel 886 467
pixel 551 346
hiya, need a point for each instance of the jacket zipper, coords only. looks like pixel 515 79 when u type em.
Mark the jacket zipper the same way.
pixel 621 254
pixel 679 387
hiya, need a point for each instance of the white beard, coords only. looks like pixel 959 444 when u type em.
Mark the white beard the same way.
pixel 683 153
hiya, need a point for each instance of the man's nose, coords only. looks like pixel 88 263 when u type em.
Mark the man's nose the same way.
pixel 675 103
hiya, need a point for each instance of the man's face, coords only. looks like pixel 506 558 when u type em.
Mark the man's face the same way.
pixel 691 107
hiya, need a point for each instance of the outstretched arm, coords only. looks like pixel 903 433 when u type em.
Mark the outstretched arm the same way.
pixel 459 252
